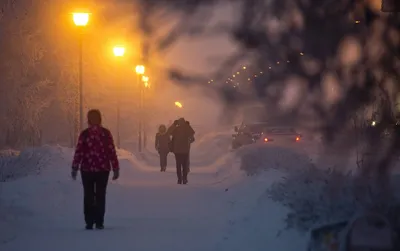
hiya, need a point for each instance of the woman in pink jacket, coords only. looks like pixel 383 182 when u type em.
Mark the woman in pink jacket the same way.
pixel 95 156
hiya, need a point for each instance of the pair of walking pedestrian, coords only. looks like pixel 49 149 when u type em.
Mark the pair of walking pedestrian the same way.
pixel 176 139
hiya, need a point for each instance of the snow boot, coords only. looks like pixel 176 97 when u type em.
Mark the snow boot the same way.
pixel 89 227
pixel 99 226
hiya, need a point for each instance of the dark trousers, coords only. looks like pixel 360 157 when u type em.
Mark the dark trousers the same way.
pixel 182 165
pixel 94 201
pixel 188 163
pixel 163 160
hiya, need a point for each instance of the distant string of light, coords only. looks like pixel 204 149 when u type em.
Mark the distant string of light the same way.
pixel 255 75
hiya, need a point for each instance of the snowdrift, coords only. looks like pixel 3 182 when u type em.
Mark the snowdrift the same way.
pixel 14 164
pixel 314 194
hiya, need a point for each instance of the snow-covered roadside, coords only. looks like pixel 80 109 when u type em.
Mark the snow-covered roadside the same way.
pixel 313 192
pixel 288 193
pixel 255 222
pixel 16 167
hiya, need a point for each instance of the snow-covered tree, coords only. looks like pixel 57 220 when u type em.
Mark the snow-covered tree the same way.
pixel 24 90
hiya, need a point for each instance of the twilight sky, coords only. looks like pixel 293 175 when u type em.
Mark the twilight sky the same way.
pixel 199 55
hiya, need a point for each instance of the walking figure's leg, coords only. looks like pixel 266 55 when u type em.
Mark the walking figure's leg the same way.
pixel 101 188
pixel 178 159
pixel 163 161
pixel 88 198
pixel 185 162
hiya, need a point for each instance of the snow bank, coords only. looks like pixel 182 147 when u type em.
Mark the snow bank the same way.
pixel 312 193
pixel 15 165
pixel 26 162
pixel 316 195
pixel 255 222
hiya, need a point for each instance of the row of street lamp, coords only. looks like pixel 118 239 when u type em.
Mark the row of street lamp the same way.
pixel 81 20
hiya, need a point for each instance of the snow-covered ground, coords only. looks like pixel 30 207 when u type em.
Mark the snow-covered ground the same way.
pixel 223 208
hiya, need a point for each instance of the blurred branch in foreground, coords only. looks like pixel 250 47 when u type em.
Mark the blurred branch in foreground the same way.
pixel 344 55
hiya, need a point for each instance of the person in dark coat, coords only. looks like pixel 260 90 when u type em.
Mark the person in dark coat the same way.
pixel 169 132
pixel 95 156
pixel 162 145
pixel 181 134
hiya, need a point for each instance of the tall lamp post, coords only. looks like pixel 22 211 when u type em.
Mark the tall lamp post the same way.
pixel 119 51
pixel 145 80
pixel 81 19
pixel 140 70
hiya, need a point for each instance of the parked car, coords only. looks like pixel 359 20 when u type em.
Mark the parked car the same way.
pixel 246 134
pixel 280 134
pixel 249 133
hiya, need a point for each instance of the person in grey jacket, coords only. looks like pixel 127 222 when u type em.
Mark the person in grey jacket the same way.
pixel 162 144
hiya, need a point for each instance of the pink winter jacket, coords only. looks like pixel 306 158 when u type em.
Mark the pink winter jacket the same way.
pixel 95 151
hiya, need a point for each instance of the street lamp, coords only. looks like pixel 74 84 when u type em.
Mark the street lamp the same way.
pixel 119 51
pixel 178 104
pixel 145 80
pixel 80 19
pixel 140 70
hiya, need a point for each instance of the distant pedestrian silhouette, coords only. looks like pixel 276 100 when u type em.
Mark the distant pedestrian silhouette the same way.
pixel 162 145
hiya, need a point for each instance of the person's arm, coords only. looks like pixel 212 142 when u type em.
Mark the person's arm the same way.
pixel 191 131
pixel 157 141
pixel 171 129
pixel 113 152
pixel 79 153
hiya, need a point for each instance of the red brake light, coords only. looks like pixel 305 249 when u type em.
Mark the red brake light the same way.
pixel 265 139
pixel 297 138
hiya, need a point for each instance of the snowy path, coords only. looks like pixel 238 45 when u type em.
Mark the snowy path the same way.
pixel 146 210
pixel 219 210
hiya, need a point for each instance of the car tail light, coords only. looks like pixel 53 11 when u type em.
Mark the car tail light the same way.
pixel 265 139
pixel 297 138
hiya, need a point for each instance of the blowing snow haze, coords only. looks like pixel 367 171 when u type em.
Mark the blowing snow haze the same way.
pixel 326 71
